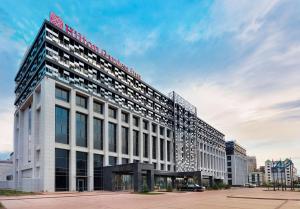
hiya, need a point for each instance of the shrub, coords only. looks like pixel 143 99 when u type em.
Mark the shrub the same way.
pixel 169 188
pixel 145 188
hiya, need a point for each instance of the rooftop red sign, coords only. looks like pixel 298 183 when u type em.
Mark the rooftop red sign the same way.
pixel 56 20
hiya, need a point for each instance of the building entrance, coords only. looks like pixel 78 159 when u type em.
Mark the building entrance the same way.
pixel 81 184
pixel 123 182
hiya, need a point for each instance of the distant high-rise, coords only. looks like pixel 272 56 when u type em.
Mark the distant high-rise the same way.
pixel 251 162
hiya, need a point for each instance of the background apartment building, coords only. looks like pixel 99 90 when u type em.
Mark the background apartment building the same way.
pixel 281 172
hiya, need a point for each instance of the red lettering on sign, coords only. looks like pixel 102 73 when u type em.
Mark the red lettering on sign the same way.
pixel 56 20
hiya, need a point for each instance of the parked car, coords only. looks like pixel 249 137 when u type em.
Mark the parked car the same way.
pixel 192 187
pixel 250 185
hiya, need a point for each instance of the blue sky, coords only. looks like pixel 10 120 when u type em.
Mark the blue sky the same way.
pixel 236 60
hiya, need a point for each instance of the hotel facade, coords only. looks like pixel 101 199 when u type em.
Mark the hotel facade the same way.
pixel 85 121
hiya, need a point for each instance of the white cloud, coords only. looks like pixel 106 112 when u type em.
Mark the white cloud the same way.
pixel 6 124
pixel 240 101
pixel 231 16
pixel 140 45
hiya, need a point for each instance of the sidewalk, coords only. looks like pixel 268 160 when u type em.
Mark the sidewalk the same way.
pixel 59 195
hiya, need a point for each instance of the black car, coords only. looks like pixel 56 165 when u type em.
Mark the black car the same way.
pixel 192 187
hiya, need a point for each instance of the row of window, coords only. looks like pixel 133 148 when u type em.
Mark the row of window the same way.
pixel 62 135
pixel 81 101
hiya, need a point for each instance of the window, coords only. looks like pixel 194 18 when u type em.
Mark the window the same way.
pixel 135 121
pixel 81 130
pixel 228 163
pixel 112 112
pixel 124 117
pixel 161 130
pixel 168 133
pixel 124 140
pixel 153 147
pixel 61 125
pixel 229 175
pixel 81 101
pixel 112 137
pixel 145 124
pixel 112 160
pixel 98 176
pixel 61 170
pixel 125 161
pixel 229 169
pixel 61 94
pixel 162 143
pixel 29 119
pixel 154 165
pixel 98 107
pixel 228 157
pixel 169 167
pixel 81 169
pixel 154 126
pixel 162 167
pixel 168 150
pixel 135 143
pixel 145 136
pixel 98 134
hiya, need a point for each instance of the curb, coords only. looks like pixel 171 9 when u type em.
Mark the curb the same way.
pixel 49 197
pixel 263 198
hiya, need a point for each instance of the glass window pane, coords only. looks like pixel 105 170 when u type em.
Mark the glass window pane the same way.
pixel 81 130
pixel 135 143
pixel 98 134
pixel 162 148
pixel 124 140
pixel 154 147
pixel 61 125
pixel 145 145
pixel 61 170
pixel 98 107
pixel 81 101
pixel 61 94
pixel 112 137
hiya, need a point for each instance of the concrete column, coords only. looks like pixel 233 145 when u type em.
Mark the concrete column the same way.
pixel 90 144
pixel 141 140
pixel 150 143
pixel 32 141
pixel 158 146
pixel 119 137
pixel 150 179
pixel 48 134
pixel 72 161
pixel 130 138
pixel 137 178
pixel 105 135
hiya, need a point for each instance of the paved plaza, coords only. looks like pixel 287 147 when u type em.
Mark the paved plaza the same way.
pixel 225 199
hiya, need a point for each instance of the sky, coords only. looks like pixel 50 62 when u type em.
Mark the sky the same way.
pixel 237 61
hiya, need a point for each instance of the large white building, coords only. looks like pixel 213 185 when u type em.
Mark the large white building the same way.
pixel 79 111
pixel 237 167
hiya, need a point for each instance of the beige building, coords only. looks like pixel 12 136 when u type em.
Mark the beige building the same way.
pixel 251 163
